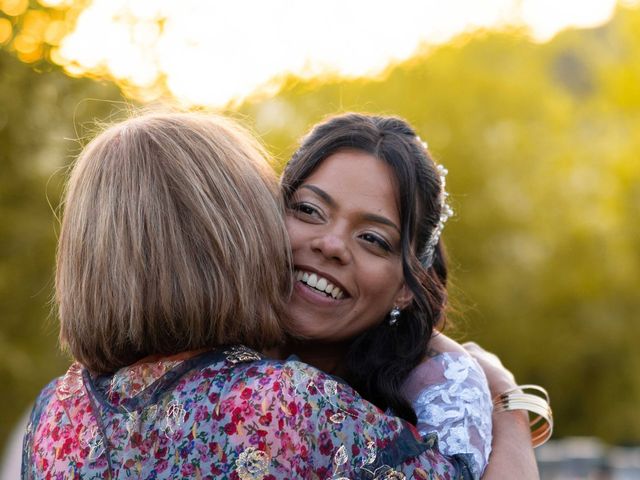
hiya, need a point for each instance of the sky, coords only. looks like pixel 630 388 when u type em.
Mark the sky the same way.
pixel 212 52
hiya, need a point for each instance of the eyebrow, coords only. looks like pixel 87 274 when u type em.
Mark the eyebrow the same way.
pixel 332 203
pixel 322 194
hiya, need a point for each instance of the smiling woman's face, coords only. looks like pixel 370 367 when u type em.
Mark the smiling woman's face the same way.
pixel 344 227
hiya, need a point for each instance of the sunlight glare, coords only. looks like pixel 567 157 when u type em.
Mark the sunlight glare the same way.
pixel 567 13
pixel 210 53
pixel 55 3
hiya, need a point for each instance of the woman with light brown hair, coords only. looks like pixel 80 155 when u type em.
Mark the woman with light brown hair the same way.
pixel 159 243
pixel 173 260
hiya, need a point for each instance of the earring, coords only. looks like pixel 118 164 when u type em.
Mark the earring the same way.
pixel 394 315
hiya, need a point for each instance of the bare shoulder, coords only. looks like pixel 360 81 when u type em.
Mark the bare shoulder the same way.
pixel 440 343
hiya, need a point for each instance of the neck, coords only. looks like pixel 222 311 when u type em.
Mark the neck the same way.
pixel 326 356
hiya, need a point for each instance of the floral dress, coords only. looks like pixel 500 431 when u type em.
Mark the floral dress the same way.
pixel 225 413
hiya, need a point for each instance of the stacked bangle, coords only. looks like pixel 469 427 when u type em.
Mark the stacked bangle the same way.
pixel 541 422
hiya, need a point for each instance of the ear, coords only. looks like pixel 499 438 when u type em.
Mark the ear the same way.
pixel 404 297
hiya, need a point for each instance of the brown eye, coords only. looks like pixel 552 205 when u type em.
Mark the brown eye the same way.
pixel 306 210
pixel 376 240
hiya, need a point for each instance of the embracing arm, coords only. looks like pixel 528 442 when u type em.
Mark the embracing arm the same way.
pixel 469 410
pixel 450 396
pixel 512 454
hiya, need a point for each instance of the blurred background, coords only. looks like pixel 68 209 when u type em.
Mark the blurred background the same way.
pixel 534 107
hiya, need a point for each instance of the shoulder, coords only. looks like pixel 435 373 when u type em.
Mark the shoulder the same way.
pixel 43 431
pixel 47 393
pixel 43 400
pixel 448 363
pixel 441 343
pixel 302 387
pixel 303 421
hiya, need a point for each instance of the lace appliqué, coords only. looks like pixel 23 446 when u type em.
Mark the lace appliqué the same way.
pixel 458 408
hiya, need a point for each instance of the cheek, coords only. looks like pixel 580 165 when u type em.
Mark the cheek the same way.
pixel 294 231
pixel 382 278
pixel 379 287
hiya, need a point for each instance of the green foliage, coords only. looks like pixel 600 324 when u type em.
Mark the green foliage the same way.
pixel 38 111
pixel 541 142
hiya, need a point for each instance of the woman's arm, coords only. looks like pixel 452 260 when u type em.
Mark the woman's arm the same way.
pixel 450 396
pixel 512 454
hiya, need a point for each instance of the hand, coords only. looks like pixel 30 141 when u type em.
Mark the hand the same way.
pixel 499 378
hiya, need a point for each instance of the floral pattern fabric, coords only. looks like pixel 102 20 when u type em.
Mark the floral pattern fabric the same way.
pixel 450 395
pixel 221 414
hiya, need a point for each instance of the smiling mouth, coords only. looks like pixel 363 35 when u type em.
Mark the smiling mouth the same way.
pixel 320 284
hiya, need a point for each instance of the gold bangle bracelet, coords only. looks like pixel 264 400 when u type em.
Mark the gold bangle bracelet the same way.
pixel 541 422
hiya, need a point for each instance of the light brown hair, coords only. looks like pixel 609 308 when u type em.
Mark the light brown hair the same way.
pixel 172 240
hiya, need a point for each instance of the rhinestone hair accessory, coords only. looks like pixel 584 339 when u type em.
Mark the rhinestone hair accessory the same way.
pixel 446 212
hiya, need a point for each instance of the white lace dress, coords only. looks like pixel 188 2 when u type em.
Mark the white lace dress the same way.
pixel 450 395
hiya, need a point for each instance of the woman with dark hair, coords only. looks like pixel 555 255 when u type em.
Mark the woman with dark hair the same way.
pixel 366 207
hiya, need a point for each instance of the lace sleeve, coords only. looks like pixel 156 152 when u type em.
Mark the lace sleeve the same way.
pixel 450 396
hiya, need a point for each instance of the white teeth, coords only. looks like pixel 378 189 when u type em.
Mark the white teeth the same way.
pixel 322 284
pixel 319 283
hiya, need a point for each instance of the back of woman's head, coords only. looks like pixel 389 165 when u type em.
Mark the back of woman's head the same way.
pixel 382 357
pixel 172 239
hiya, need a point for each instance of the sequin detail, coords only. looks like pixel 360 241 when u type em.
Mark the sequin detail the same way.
pixel 238 354
pixel 130 381
pixel 71 383
pixel 253 464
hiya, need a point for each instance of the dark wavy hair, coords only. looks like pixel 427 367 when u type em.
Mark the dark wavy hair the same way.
pixel 380 359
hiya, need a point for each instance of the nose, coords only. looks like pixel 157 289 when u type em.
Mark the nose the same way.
pixel 332 247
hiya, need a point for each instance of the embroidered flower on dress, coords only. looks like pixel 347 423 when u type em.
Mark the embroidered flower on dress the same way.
pixel 391 475
pixel 458 439
pixel 337 418
pixel 252 464
pixel 371 452
pixel 174 417
pixel 458 370
pixel 331 387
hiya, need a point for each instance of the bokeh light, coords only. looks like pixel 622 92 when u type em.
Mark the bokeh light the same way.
pixel 6 30
pixel 210 53
pixel 13 8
